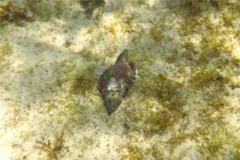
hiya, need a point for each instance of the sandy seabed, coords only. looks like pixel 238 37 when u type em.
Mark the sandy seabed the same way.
pixel 184 105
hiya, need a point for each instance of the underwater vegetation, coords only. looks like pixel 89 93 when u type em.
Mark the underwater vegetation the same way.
pixel 51 148
pixel 183 105
pixel 83 81
pixel 29 10
pixel 211 71
pixel 5 51
pixel 12 11
pixel 198 6
pixel 93 8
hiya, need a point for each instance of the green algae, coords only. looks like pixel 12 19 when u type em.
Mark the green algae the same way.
pixel 210 68
pixel 169 91
pixel 136 152
pixel 237 154
pixel 157 30
pixel 170 95
pixel 197 7
pixel 217 140
pixel 93 8
pixel 83 82
pixel 44 10
pixel 29 10
pixel 5 49
pixel 159 121
pixel 205 76
pixel 52 149
pixel 14 12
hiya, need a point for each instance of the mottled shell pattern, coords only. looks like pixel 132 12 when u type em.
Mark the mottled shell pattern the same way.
pixel 115 82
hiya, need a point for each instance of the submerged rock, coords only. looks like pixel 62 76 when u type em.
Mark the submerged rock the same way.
pixel 116 81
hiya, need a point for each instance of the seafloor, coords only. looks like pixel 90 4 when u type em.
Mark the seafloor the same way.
pixel 183 106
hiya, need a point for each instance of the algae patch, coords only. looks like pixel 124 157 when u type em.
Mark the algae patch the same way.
pixel 51 148
pixel 184 105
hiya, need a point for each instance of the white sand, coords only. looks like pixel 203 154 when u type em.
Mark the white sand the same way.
pixel 184 105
